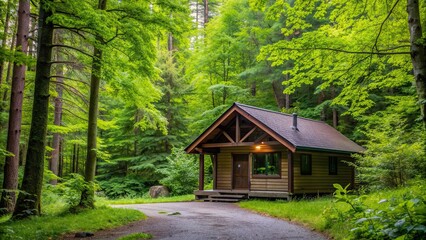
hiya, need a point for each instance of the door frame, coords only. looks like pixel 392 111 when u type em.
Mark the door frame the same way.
pixel 248 171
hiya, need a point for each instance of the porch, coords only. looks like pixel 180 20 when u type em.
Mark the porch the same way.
pixel 236 195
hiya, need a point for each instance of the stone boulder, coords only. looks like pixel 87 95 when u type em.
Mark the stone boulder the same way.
pixel 158 191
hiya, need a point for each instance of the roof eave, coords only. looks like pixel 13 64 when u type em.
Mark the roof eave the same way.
pixel 301 148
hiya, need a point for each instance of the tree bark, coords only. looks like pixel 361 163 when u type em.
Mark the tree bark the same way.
pixel 29 199
pixel 87 196
pixel 280 98
pixel 10 182
pixel 206 12
pixel 54 160
pixel 418 50
pixel 4 39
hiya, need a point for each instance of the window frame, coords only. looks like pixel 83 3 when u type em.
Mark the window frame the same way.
pixel 260 176
pixel 331 161
pixel 302 172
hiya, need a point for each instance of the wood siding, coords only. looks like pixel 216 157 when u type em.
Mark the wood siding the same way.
pixel 224 169
pixel 320 181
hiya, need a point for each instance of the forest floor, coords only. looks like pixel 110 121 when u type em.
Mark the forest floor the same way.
pixel 199 220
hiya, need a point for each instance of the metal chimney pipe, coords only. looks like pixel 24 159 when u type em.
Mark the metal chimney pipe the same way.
pixel 294 127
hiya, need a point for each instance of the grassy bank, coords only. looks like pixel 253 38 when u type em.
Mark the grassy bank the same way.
pixel 183 198
pixel 313 213
pixel 51 226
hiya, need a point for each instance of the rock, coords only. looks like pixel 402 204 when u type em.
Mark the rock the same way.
pixel 158 191
pixel 84 234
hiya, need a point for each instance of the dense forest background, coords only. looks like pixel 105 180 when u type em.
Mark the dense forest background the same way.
pixel 130 83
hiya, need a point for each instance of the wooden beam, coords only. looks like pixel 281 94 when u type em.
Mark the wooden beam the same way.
pixel 259 139
pixel 228 137
pixel 237 129
pixel 201 173
pixel 218 145
pixel 290 171
pixel 214 158
pixel 248 134
pixel 266 129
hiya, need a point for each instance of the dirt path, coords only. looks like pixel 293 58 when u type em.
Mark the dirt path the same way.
pixel 199 220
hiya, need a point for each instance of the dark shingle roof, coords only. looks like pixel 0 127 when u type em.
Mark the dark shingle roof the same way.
pixel 311 134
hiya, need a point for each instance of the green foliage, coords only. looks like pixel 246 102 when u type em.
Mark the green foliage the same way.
pixel 181 173
pixel 130 186
pixel 402 218
pixel 395 147
pixel 136 236
pixel 147 199
pixel 48 227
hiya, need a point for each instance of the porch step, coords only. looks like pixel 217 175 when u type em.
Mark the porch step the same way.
pixel 228 196
pixel 225 198
pixel 222 200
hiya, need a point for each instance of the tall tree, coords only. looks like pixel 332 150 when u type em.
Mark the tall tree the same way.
pixel 10 182
pixel 88 195
pixel 418 52
pixel 54 160
pixel 29 199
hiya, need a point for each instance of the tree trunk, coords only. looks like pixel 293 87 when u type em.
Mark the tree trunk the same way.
pixel 29 200
pixel 418 50
pixel 280 98
pixel 10 182
pixel 87 196
pixel 4 39
pixel 54 160
pixel 206 12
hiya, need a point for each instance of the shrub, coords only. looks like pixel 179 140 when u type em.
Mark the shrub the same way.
pixel 181 172
pixel 130 186
pixel 403 218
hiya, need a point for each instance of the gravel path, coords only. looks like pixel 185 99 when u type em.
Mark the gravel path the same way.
pixel 199 220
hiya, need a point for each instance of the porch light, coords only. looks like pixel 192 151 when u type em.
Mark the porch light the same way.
pixel 258 147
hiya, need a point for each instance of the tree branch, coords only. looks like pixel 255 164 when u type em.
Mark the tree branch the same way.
pixel 382 52
pixel 71 79
pixel 73 48
pixel 381 26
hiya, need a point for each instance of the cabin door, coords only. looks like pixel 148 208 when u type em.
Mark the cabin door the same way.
pixel 240 171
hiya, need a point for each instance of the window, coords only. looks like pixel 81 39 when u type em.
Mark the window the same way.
pixel 305 164
pixel 266 164
pixel 332 165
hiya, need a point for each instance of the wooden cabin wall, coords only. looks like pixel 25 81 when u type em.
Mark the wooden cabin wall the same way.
pixel 320 181
pixel 224 169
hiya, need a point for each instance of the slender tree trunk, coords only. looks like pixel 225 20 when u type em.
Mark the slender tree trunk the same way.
pixel 72 165
pixel 9 76
pixel 29 200
pixel 4 39
pixel 61 159
pixel 87 196
pixel 278 89
pixel 206 12
pixel 418 51
pixel 10 182
pixel 77 157
pixel 54 160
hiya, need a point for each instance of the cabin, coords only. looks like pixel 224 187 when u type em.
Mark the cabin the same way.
pixel 256 152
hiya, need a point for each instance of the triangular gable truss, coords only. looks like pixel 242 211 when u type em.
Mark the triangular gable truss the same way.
pixel 236 128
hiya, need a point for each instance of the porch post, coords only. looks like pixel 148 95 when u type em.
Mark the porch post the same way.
pixel 201 173
pixel 290 171
pixel 214 158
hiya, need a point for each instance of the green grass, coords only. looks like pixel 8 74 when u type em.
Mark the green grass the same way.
pixel 51 226
pixel 311 213
pixel 183 198
pixel 136 236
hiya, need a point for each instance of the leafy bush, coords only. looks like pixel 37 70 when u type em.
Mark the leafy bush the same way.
pixel 181 172
pixel 130 186
pixel 395 152
pixel 402 218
